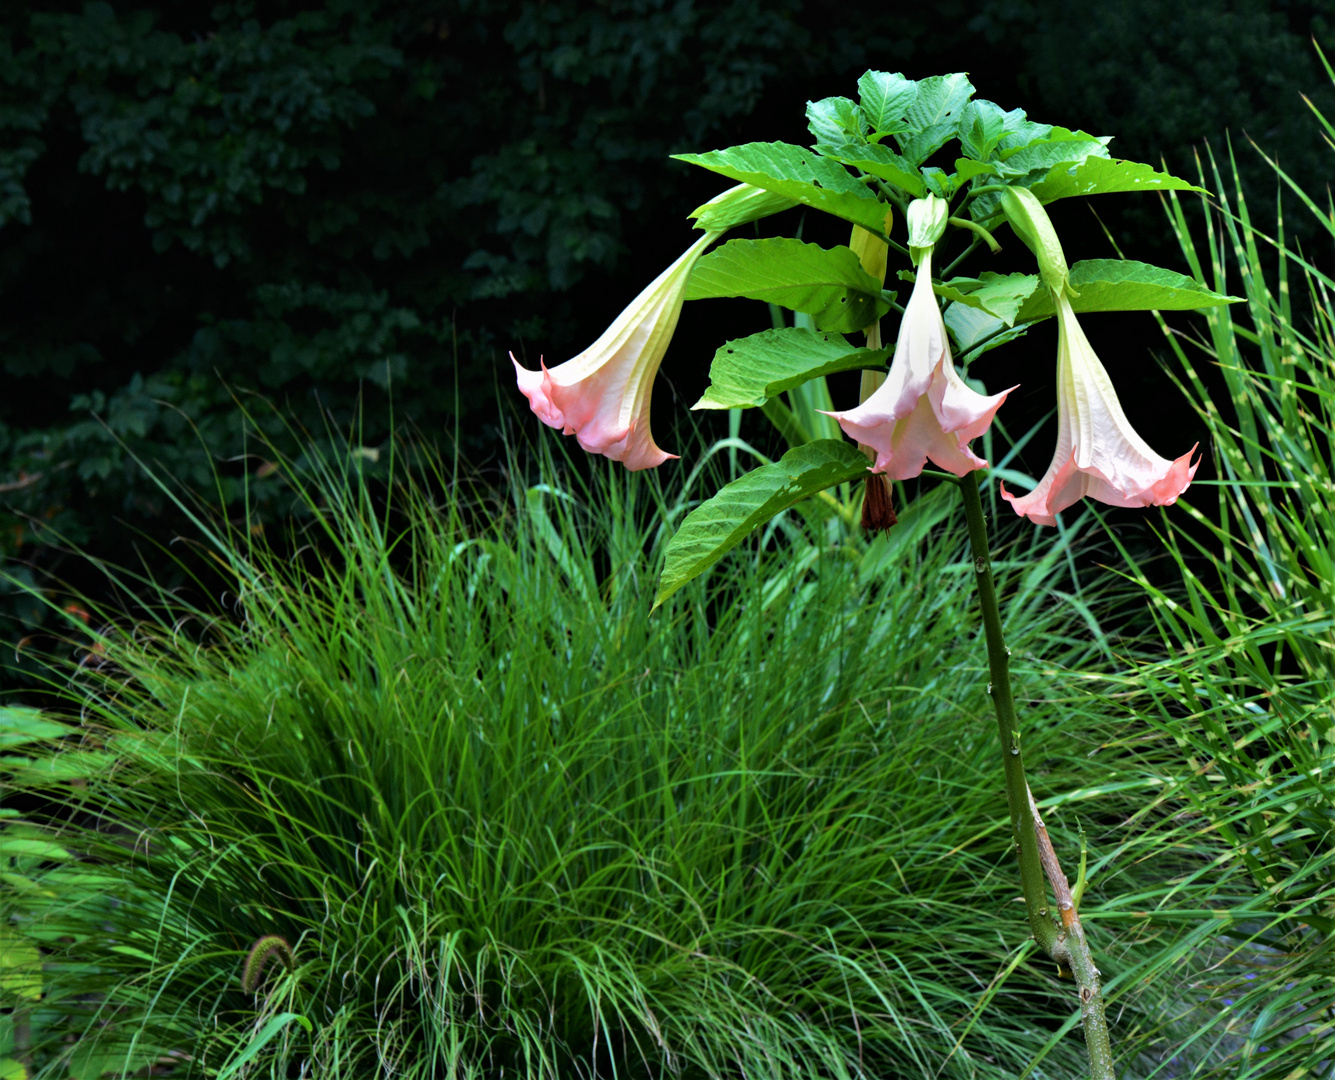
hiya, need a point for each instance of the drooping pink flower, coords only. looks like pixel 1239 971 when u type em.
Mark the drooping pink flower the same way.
pixel 1098 453
pixel 923 410
pixel 602 395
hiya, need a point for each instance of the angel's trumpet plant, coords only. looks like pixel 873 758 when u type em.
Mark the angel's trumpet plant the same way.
pixel 602 395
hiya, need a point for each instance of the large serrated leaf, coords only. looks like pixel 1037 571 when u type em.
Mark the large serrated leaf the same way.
pixel 828 284
pixel 881 162
pixel 982 126
pixel 801 174
pixel 717 526
pixel 935 114
pixel 749 371
pixel 1048 153
pixel 1001 295
pixel 885 98
pixel 1123 285
pixel 1100 175
pixel 835 120
pixel 939 98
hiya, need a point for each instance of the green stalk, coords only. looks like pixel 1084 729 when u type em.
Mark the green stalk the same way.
pixel 1068 947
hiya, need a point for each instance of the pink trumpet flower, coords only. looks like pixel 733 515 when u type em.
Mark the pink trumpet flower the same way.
pixel 601 396
pixel 923 409
pixel 1098 452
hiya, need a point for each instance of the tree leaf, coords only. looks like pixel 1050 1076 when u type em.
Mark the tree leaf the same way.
pixel 934 114
pixel 939 98
pixel 827 283
pixel 1047 153
pixel 982 126
pixel 715 527
pixel 836 120
pixel 881 162
pixel 937 181
pixel 1123 285
pixel 977 331
pixel 1001 295
pixel 1100 175
pixel 751 370
pixel 801 174
pixel 21 965
pixel 885 99
pixel 739 205
pixel 966 169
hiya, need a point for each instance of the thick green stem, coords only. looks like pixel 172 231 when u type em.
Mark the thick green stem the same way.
pixel 1008 725
pixel 1076 952
pixel 1067 946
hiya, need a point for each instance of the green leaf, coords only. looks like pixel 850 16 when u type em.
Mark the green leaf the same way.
pixel 21 966
pixel 262 1039
pixel 934 114
pixel 21 725
pixel 966 169
pixel 1022 132
pixel 1099 175
pixel 977 331
pixel 715 527
pixel 12 1070
pixel 836 120
pixel 29 847
pixel 885 99
pixel 884 163
pixel 739 205
pixel 64 765
pixel 982 126
pixel 937 181
pixel 1123 285
pixel 1000 295
pixel 801 174
pixel 827 283
pixel 1049 153
pixel 749 371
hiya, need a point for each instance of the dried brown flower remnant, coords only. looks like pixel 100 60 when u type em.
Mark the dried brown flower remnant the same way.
pixel 877 510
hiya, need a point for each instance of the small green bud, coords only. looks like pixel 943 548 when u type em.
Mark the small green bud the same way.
pixel 1030 222
pixel 927 224
pixel 738 205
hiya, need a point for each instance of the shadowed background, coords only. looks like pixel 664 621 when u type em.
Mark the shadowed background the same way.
pixel 354 209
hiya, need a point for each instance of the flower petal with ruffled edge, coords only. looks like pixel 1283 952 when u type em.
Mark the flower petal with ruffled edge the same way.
pixel 602 395
pixel 924 410
pixel 1098 453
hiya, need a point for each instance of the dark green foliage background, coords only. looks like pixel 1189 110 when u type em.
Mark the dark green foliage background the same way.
pixel 370 201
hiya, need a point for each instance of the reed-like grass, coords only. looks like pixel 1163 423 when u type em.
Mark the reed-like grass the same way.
pixel 1249 687
pixel 508 823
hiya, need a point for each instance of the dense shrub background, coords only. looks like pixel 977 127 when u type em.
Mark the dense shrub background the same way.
pixel 319 202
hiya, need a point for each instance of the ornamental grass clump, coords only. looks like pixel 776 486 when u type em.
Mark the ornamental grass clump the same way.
pixel 431 796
